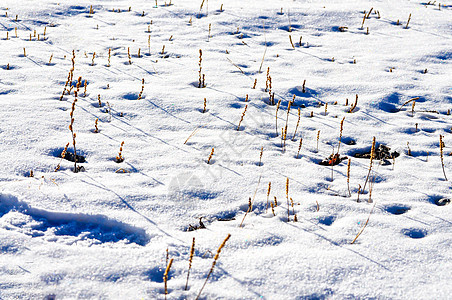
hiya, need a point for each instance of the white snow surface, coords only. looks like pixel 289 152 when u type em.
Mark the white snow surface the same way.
pixel 103 233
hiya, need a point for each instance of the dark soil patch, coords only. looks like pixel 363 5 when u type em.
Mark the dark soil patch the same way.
pixel 70 157
pixel 381 153
pixel 333 160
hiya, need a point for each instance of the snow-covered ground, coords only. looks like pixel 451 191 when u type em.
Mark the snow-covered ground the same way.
pixel 103 233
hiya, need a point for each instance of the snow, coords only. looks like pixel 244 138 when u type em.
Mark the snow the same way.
pixel 104 233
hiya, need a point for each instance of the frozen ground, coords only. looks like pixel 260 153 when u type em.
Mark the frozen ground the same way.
pixel 103 233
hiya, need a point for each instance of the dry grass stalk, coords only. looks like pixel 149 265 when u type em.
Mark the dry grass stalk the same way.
pixel 318 137
pixel 200 81
pixel 210 28
pixel 287 198
pixel 364 226
pixel 352 108
pixel 441 146
pixel 165 276
pixel 290 38
pixel 109 56
pixel 92 61
pixel 71 128
pixel 364 19
pixel 210 156
pixel 63 154
pixel 120 158
pixel 65 85
pixel 372 155
pixel 299 147
pixel 276 114
pixel 348 177
pixel 254 85
pixel 268 194
pixel 98 101
pixel 15 31
pixel 276 201
pixel 408 22
pixel 303 88
pixel 50 60
pixel 140 95
pixel 215 259
pixel 190 260
pixel 340 134
pixel 139 53
pixel 412 108
pixel 298 123
pixel 205 106
pixel 251 202
pixel 273 208
pixel 149 44
pixel 128 55
pixel 412 99
pixel 96 129
pixel 266 82
pixel 246 98
pixel 260 156
pixel 241 118
pixel 25 53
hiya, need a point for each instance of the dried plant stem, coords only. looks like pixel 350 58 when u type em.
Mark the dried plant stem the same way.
pixel 120 158
pixel 276 116
pixel 210 156
pixel 96 129
pixel 268 194
pixel 205 106
pixel 441 146
pixel 140 95
pixel 260 156
pixel 365 224
pixel 287 199
pixel 372 154
pixel 408 22
pixel 165 276
pixel 290 39
pixel 215 259
pixel 200 68
pixel 298 123
pixel 71 128
pixel 318 137
pixel 352 108
pixel 412 99
pixel 190 260
pixel 251 203
pixel 63 154
pixel 299 147
pixel 340 134
pixel 241 118
pixel 348 177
